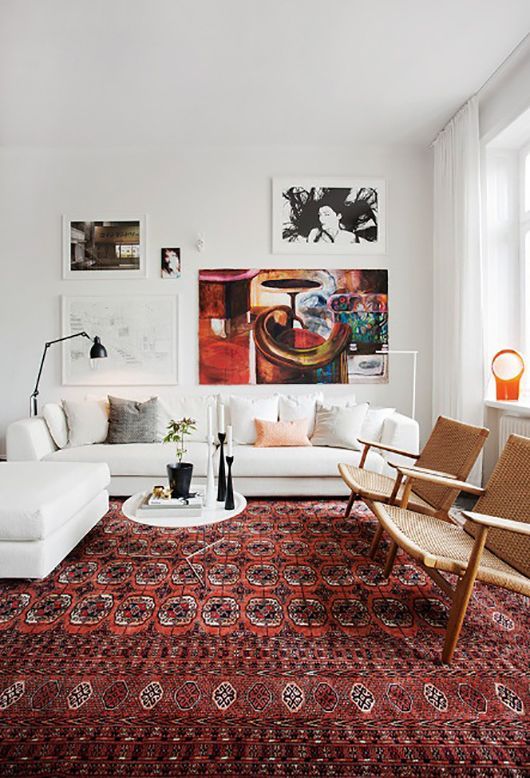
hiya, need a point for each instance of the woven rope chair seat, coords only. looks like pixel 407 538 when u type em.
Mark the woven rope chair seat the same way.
pixel 373 486
pixel 446 547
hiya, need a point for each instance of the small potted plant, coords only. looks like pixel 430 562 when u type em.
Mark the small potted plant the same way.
pixel 179 473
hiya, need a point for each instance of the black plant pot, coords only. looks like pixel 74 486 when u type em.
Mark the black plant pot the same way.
pixel 179 476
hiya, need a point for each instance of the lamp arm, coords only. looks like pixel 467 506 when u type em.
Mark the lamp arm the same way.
pixel 35 393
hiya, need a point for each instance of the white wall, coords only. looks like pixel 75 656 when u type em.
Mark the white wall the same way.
pixel 505 96
pixel 223 193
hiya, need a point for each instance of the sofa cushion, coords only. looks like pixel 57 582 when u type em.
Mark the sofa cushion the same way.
pixel 301 406
pixel 373 422
pixel 281 433
pixel 149 459
pixel 298 462
pixel 55 418
pixel 39 497
pixel 244 411
pixel 192 407
pixel 87 421
pixel 339 427
pixel 131 421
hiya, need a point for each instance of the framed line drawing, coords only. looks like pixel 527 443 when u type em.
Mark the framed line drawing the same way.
pixel 140 333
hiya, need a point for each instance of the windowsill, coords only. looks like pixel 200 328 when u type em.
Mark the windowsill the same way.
pixel 522 405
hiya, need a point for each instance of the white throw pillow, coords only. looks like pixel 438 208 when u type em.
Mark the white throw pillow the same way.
pixel 55 419
pixel 339 427
pixel 88 421
pixel 301 406
pixel 178 407
pixel 342 401
pixel 372 428
pixel 243 411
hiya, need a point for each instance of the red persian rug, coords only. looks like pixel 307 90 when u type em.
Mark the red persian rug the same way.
pixel 297 658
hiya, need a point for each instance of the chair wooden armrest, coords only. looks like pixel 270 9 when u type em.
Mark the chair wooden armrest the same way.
pixel 496 522
pixel 417 473
pixel 424 470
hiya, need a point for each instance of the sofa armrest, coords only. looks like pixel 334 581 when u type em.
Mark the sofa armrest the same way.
pixel 29 439
pixel 399 432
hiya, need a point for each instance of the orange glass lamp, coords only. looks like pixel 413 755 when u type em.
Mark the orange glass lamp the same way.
pixel 508 367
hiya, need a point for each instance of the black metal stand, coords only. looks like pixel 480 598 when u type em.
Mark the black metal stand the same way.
pixel 221 481
pixel 229 502
pixel 97 350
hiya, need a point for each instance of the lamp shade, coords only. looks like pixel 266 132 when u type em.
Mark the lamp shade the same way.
pixel 98 350
pixel 508 367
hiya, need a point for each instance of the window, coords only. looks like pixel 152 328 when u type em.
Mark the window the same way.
pixel 506 248
pixel 127 251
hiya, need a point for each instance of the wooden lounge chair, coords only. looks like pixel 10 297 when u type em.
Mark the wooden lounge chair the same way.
pixel 452 449
pixel 493 546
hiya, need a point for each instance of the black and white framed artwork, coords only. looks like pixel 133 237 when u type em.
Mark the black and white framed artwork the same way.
pixel 328 216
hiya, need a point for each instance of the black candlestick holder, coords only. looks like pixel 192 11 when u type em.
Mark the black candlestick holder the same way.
pixel 221 481
pixel 229 502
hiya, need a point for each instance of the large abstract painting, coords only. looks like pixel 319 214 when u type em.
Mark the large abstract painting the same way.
pixel 328 216
pixel 293 326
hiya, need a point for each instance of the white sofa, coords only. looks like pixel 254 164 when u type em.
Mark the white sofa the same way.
pixel 308 471
pixel 46 509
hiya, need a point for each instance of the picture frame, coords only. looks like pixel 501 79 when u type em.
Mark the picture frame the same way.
pixel 329 215
pixel 170 264
pixel 139 331
pixel 302 326
pixel 104 249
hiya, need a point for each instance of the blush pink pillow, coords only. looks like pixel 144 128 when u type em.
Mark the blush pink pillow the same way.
pixel 281 433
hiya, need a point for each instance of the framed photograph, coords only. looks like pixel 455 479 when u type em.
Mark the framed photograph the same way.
pixel 328 216
pixel 113 249
pixel 140 333
pixel 298 326
pixel 170 263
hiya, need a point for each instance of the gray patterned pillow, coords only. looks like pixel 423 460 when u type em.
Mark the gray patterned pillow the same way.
pixel 133 422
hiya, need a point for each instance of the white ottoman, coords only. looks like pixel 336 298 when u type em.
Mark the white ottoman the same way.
pixel 45 510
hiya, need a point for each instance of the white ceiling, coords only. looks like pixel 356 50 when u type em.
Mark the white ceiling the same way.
pixel 332 72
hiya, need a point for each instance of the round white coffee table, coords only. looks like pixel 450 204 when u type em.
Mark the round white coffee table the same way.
pixel 208 516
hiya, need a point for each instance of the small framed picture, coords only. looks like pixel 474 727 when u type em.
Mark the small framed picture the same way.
pixel 103 249
pixel 170 263
pixel 329 216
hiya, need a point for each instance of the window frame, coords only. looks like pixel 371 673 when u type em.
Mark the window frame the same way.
pixel 524 248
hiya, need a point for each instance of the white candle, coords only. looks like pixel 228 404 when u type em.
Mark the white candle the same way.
pixel 210 422
pixel 229 451
pixel 221 417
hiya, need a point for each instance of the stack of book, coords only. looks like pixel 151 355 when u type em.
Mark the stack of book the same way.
pixel 164 507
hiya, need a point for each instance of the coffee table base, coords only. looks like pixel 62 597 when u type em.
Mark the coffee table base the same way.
pixel 209 517
pixel 201 551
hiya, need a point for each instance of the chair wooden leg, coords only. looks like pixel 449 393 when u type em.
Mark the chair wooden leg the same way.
pixel 389 564
pixel 349 506
pixel 375 542
pixel 462 596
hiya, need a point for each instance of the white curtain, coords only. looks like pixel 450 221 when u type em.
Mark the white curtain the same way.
pixel 458 361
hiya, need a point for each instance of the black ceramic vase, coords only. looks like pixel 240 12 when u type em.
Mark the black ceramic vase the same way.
pixel 179 476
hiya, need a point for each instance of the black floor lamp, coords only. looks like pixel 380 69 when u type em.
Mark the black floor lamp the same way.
pixel 97 351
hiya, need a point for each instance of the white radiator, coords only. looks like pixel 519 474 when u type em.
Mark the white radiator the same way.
pixel 518 425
